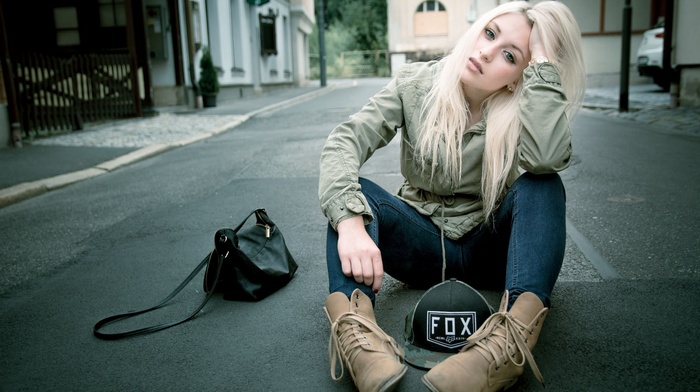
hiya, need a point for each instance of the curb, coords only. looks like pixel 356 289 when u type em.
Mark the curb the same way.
pixel 27 190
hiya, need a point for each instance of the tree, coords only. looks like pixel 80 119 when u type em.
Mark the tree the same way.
pixel 351 26
pixel 364 20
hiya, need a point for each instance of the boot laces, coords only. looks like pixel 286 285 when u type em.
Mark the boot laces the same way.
pixel 348 339
pixel 501 337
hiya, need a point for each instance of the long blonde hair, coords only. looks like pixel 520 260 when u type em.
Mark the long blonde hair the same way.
pixel 446 113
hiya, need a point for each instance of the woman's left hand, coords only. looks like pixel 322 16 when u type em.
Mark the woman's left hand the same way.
pixel 536 45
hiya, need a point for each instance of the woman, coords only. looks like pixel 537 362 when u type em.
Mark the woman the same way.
pixel 502 100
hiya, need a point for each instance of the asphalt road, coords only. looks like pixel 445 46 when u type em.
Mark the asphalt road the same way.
pixel 624 311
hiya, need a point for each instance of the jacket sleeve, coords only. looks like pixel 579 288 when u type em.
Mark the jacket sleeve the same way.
pixel 545 139
pixel 349 146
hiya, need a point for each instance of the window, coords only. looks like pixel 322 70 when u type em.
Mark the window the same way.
pixel 430 6
pixel 66 22
pixel 268 36
pixel 430 19
pixel 112 13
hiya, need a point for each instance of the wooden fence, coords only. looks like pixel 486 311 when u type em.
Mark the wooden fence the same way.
pixel 62 93
pixel 353 64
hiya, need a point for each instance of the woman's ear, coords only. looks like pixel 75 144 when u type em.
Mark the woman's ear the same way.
pixel 512 86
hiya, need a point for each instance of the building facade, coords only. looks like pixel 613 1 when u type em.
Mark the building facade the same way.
pixel 421 30
pixel 255 45
pixel 69 62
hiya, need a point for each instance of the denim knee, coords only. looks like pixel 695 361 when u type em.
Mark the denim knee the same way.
pixel 529 181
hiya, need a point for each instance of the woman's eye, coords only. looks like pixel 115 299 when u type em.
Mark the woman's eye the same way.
pixel 510 57
pixel 490 34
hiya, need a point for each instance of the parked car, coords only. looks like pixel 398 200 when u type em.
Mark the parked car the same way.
pixel 650 56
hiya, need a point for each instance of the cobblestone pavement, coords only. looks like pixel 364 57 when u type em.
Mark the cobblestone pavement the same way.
pixel 165 128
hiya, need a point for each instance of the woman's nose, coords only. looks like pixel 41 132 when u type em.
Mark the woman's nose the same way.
pixel 486 54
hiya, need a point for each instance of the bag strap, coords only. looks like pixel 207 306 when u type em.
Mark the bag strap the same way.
pixel 159 327
pixel 260 214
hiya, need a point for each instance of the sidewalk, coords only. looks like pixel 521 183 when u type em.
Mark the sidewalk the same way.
pixel 50 163
pixel 647 104
pixel 46 164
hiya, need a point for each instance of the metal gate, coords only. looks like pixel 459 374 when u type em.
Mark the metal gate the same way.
pixel 62 93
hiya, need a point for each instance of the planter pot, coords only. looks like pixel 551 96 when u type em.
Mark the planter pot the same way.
pixel 209 100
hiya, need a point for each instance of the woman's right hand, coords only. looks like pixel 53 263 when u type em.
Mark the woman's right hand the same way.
pixel 359 255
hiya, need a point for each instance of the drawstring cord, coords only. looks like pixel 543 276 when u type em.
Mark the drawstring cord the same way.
pixel 442 240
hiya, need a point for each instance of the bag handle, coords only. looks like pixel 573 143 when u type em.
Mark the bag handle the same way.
pixel 260 214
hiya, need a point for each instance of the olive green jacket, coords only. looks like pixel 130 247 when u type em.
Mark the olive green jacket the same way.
pixel 545 147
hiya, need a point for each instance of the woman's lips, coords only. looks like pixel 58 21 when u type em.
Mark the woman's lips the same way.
pixel 475 65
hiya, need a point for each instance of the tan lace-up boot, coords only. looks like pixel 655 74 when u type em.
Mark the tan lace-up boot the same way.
pixel 496 353
pixel 373 358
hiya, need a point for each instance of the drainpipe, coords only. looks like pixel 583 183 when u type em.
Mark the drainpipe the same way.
pixel 257 58
pixel 9 79
pixel 322 43
pixel 191 52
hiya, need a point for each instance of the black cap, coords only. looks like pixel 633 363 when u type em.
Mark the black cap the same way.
pixel 442 320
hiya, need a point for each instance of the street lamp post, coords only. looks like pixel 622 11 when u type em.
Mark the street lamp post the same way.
pixel 321 43
pixel 625 62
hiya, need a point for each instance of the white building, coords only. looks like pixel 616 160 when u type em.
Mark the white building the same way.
pixel 254 46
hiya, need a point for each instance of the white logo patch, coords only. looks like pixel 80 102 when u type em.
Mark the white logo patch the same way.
pixel 450 329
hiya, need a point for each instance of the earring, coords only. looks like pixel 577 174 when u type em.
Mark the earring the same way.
pixel 510 88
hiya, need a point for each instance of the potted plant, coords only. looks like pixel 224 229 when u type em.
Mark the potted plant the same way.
pixel 208 79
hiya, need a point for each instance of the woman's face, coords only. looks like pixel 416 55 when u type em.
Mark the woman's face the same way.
pixel 499 56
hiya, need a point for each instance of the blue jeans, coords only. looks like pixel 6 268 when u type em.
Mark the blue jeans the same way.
pixel 522 250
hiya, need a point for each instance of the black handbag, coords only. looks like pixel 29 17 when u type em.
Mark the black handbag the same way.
pixel 246 264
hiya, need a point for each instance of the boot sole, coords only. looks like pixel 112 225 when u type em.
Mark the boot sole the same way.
pixel 433 389
pixel 394 381
pixel 428 384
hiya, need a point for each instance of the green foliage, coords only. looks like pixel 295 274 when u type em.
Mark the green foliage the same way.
pixel 364 20
pixel 351 25
pixel 337 40
pixel 208 78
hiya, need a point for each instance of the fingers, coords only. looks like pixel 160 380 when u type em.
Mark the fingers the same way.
pixel 365 267
pixel 536 46
pixel 378 274
pixel 367 270
pixel 362 271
